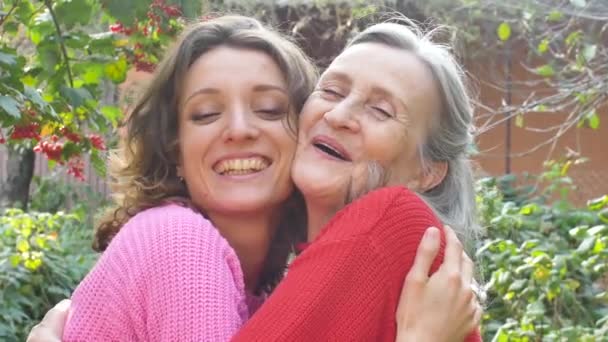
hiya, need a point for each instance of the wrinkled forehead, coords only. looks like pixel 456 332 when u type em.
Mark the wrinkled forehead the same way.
pixel 398 71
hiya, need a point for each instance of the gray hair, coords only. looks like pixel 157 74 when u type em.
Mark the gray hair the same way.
pixel 454 198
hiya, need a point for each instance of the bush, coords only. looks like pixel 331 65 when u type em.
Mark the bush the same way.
pixel 545 261
pixel 43 256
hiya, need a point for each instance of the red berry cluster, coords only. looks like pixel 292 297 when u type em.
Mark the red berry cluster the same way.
pixel 158 14
pixel 71 136
pixel 26 131
pixel 76 168
pixel 2 139
pixel 97 142
pixel 171 11
pixel 52 149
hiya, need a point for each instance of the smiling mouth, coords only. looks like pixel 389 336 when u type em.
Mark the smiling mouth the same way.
pixel 330 151
pixel 237 167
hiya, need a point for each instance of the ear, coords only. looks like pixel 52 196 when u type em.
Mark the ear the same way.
pixel 429 178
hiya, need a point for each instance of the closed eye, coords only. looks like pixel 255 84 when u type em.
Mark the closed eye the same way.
pixel 382 112
pixel 331 93
pixel 204 117
pixel 272 114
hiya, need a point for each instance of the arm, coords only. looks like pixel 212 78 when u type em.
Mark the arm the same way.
pixel 167 275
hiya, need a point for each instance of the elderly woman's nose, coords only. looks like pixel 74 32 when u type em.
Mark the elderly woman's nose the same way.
pixel 343 116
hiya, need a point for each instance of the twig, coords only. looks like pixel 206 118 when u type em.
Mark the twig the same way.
pixel 49 6
pixel 9 12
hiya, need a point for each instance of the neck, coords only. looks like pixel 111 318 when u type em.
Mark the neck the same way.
pixel 249 236
pixel 318 216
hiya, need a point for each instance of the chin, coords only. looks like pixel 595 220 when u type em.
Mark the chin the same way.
pixel 317 183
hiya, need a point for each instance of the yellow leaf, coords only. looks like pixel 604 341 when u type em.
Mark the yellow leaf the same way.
pixel 47 130
pixel 121 42
pixel 504 31
pixel 519 120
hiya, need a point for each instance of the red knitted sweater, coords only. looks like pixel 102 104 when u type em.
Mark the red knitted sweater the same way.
pixel 345 286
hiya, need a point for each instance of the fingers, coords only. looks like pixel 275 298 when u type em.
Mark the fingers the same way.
pixel 50 329
pixel 453 253
pixel 426 253
pixel 466 268
pixel 56 317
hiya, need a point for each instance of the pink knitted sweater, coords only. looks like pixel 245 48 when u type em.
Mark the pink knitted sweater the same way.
pixel 168 275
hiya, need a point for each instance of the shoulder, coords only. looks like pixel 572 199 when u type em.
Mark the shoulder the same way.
pixel 389 205
pixel 171 223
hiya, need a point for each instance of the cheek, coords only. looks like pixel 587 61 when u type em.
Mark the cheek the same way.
pixel 312 112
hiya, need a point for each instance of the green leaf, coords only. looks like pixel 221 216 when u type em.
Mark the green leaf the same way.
pixel 586 245
pixel 190 9
pixel 504 31
pixel 579 3
pixel 117 71
pixel 597 203
pixel 33 264
pixel 589 51
pixel 76 97
pixel 10 106
pixel 8 59
pixel 518 285
pixel 72 12
pixel 543 46
pixel 15 259
pixel 112 113
pixel 126 11
pixel 593 119
pixel 555 15
pixel 98 164
pixel 593 231
pixel 23 246
pixel 603 215
pixel 573 38
pixel 33 95
pixel 545 70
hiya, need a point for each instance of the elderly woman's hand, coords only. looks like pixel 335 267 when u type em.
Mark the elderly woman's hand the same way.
pixel 50 329
pixel 442 307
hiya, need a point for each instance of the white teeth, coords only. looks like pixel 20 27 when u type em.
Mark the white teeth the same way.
pixel 241 166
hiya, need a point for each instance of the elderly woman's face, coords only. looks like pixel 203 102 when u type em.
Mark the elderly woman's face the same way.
pixel 373 103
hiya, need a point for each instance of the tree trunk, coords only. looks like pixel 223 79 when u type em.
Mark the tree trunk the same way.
pixel 14 192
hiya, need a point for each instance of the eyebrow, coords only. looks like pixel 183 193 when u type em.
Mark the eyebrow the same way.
pixel 269 87
pixel 215 91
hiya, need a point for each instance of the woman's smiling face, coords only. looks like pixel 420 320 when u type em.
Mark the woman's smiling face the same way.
pixel 374 103
pixel 235 149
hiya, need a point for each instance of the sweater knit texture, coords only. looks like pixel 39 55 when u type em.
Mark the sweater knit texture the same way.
pixel 167 275
pixel 345 286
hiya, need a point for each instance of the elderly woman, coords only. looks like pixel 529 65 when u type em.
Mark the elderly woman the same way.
pixel 210 133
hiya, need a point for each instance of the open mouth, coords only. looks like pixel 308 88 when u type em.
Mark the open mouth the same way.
pixel 238 167
pixel 330 150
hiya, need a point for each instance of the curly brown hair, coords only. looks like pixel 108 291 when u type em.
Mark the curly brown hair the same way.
pixel 143 169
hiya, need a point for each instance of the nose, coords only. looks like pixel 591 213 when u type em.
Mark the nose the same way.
pixel 343 116
pixel 241 126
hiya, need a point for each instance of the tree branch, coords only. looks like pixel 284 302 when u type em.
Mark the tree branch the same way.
pixel 49 6
pixel 8 14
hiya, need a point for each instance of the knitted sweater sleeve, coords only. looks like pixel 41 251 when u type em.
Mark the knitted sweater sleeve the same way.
pixel 168 275
pixel 346 284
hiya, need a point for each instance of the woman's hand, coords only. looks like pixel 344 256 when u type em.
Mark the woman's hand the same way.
pixel 441 307
pixel 50 329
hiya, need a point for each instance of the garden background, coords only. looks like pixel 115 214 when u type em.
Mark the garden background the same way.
pixel 70 70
